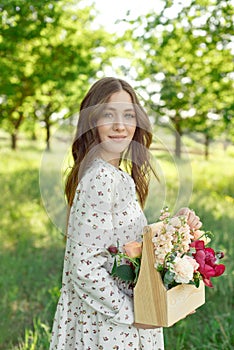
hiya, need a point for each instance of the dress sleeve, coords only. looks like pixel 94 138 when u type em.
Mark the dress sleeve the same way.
pixel 91 231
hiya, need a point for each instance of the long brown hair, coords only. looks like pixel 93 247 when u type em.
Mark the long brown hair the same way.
pixel 136 159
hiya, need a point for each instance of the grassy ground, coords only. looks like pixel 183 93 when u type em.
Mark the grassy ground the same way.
pixel 32 248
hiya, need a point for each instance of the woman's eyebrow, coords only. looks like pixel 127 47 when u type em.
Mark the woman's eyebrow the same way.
pixel 116 109
pixel 129 110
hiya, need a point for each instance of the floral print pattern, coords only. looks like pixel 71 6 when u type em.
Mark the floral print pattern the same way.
pixel 95 310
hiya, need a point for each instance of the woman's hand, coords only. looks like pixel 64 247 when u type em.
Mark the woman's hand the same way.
pixel 193 220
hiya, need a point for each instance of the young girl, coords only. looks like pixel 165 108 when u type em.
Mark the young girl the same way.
pixel 95 309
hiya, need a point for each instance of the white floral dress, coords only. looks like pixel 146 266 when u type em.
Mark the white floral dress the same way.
pixel 95 311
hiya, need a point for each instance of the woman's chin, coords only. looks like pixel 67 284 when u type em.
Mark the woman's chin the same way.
pixel 116 147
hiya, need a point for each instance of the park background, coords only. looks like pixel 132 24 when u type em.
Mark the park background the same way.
pixel 179 57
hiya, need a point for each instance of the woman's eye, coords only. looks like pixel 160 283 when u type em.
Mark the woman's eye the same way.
pixel 108 115
pixel 129 115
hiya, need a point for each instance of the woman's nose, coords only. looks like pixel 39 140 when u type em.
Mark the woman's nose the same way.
pixel 119 123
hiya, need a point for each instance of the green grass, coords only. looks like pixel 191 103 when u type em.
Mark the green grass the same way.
pixel 32 248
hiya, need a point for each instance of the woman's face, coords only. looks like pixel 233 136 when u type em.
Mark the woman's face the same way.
pixel 116 126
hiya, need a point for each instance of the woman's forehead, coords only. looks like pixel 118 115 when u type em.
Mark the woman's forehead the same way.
pixel 119 106
pixel 120 97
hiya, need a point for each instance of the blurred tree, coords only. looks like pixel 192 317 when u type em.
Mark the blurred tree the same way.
pixel 49 51
pixel 185 64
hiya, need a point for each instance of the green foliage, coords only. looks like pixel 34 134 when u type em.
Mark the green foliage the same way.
pixel 49 53
pixel 124 272
pixel 129 270
pixel 184 62
pixel 168 279
pixel 38 339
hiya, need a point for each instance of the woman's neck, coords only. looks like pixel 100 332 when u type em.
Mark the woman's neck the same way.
pixel 110 159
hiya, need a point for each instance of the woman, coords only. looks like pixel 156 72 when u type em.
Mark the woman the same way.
pixel 95 310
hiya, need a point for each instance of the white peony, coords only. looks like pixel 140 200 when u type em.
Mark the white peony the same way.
pixel 183 270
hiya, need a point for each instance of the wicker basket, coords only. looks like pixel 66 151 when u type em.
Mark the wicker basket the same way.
pixel 153 304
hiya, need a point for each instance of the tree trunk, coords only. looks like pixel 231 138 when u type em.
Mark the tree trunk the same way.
pixel 178 134
pixel 33 136
pixel 14 133
pixel 207 143
pixel 13 140
pixel 47 135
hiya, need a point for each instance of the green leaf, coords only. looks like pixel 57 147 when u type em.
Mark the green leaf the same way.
pixel 137 271
pixel 125 273
pixel 209 234
pixel 168 278
pixel 114 268
pixel 196 281
pixel 160 268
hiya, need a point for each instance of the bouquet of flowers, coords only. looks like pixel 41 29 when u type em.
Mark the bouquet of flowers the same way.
pixel 131 256
pixel 181 254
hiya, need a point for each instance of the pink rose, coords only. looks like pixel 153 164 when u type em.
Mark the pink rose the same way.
pixel 133 249
pixel 207 262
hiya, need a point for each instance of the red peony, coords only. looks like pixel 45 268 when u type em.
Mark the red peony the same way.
pixel 206 259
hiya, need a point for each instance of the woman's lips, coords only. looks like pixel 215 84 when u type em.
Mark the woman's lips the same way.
pixel 118 138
